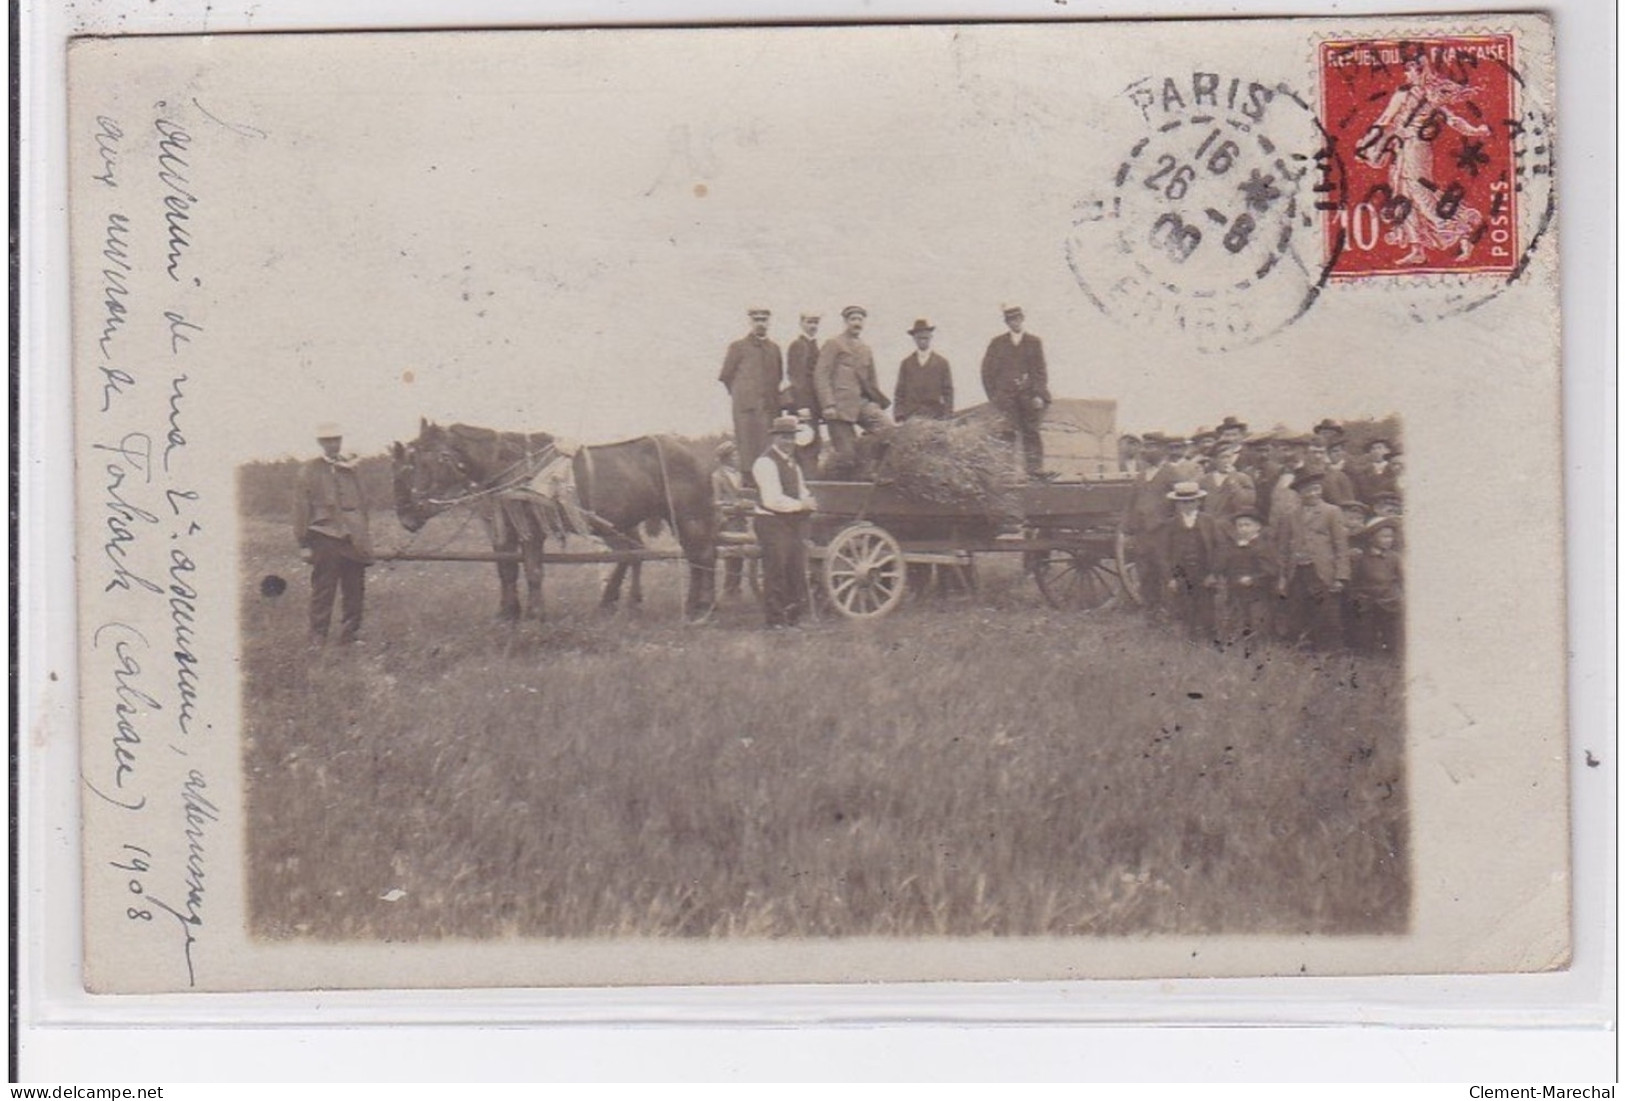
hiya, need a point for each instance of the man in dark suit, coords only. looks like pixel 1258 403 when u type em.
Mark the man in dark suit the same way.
pixel 800 394
pixel 1186 549
pixel 1016 379
pixel 752 371
pixel 925 383
pixel 1149 508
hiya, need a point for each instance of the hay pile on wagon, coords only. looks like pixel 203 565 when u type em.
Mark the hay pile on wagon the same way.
pixel 959 465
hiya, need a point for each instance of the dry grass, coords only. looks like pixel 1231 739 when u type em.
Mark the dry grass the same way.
pixel 959 465
pixel 977 766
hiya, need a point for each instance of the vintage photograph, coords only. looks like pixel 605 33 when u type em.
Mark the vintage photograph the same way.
pixel 947 501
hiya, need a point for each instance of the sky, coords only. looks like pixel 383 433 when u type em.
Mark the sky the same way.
pixel 562 231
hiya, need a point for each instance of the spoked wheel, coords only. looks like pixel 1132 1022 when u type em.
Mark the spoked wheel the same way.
pixel 864 572
pixel 1126 573
pixel 1077 581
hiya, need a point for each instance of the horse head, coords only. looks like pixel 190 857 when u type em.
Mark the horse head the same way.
pixel 428 476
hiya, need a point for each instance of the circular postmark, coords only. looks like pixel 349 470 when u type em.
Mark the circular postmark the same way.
pixel 1208 226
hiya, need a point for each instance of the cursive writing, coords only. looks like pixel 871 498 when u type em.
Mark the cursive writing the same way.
pixel 178 197
pixel 108 135
pixel 179 331
pixel 198 812
pixel 175 438
pixel 135 458
pixel 183 619
pixel 115 288
pixel 130 702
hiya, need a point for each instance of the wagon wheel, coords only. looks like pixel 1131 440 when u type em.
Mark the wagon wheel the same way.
pixel 1075 580
pixel 1126 573
pixel 864 571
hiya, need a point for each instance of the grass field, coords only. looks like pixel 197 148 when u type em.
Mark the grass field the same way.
pixel 975 765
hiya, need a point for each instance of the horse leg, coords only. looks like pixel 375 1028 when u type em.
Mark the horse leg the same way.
pixel 612 587
pixel 636 595
pixel 531 547
pixel 700 548
pixel 508 579
pixel 504 541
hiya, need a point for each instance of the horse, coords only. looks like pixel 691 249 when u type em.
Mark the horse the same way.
pixel 646 483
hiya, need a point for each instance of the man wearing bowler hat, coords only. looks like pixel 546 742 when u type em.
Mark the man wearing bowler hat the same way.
pixel 1016 379
pixel 752 371
pixel 925 383
pixel 849 394
pixel 330 525
pixel 784 505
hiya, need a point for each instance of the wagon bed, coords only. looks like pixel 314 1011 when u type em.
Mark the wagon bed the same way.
pixel 867 534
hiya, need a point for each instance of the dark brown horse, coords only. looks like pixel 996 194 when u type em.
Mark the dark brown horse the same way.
pixel 646 483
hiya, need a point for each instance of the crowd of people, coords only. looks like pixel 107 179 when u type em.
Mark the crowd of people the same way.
pixel 1242 536
pixel 1235 535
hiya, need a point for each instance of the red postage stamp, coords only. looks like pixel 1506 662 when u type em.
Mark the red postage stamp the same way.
pixel 1426 128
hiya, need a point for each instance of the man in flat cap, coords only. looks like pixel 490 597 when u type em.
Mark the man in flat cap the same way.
pixel 801 393
pixel 925 383
pixel 1315 565
pixel 1016 379
pixel 330 525
pixel 849 394
pixel 752 371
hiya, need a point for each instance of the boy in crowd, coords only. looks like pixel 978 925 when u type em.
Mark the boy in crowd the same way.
pixel 1247 566
pixel 1377 591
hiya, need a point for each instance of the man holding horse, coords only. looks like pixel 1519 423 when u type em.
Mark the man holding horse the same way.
pixel 781 527
pixel 330 524
pixel 753 371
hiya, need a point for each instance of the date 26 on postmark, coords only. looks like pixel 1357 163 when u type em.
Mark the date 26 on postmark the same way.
pixel 1207 230
pixel 1430 130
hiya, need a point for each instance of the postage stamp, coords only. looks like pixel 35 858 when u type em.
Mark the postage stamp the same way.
pixel 1430 125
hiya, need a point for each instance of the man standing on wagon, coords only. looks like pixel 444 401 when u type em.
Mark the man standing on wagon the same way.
pixel 1016 379
pixel 849 394
pixel 800 396
pixel 752 371
pixel 330 525
pixel 781 527
pixel 925 382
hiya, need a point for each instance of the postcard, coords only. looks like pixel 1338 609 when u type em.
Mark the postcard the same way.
pixel 882 503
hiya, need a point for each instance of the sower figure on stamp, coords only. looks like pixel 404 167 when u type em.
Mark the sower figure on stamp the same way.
pixel 330 525
pixel 801 393
pixel 753 371
pixel 781 527
pixel 849 394
pixel 925 382
pixel 1016 379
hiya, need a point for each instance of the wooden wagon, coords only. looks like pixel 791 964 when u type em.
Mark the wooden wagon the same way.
pixel 866 535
